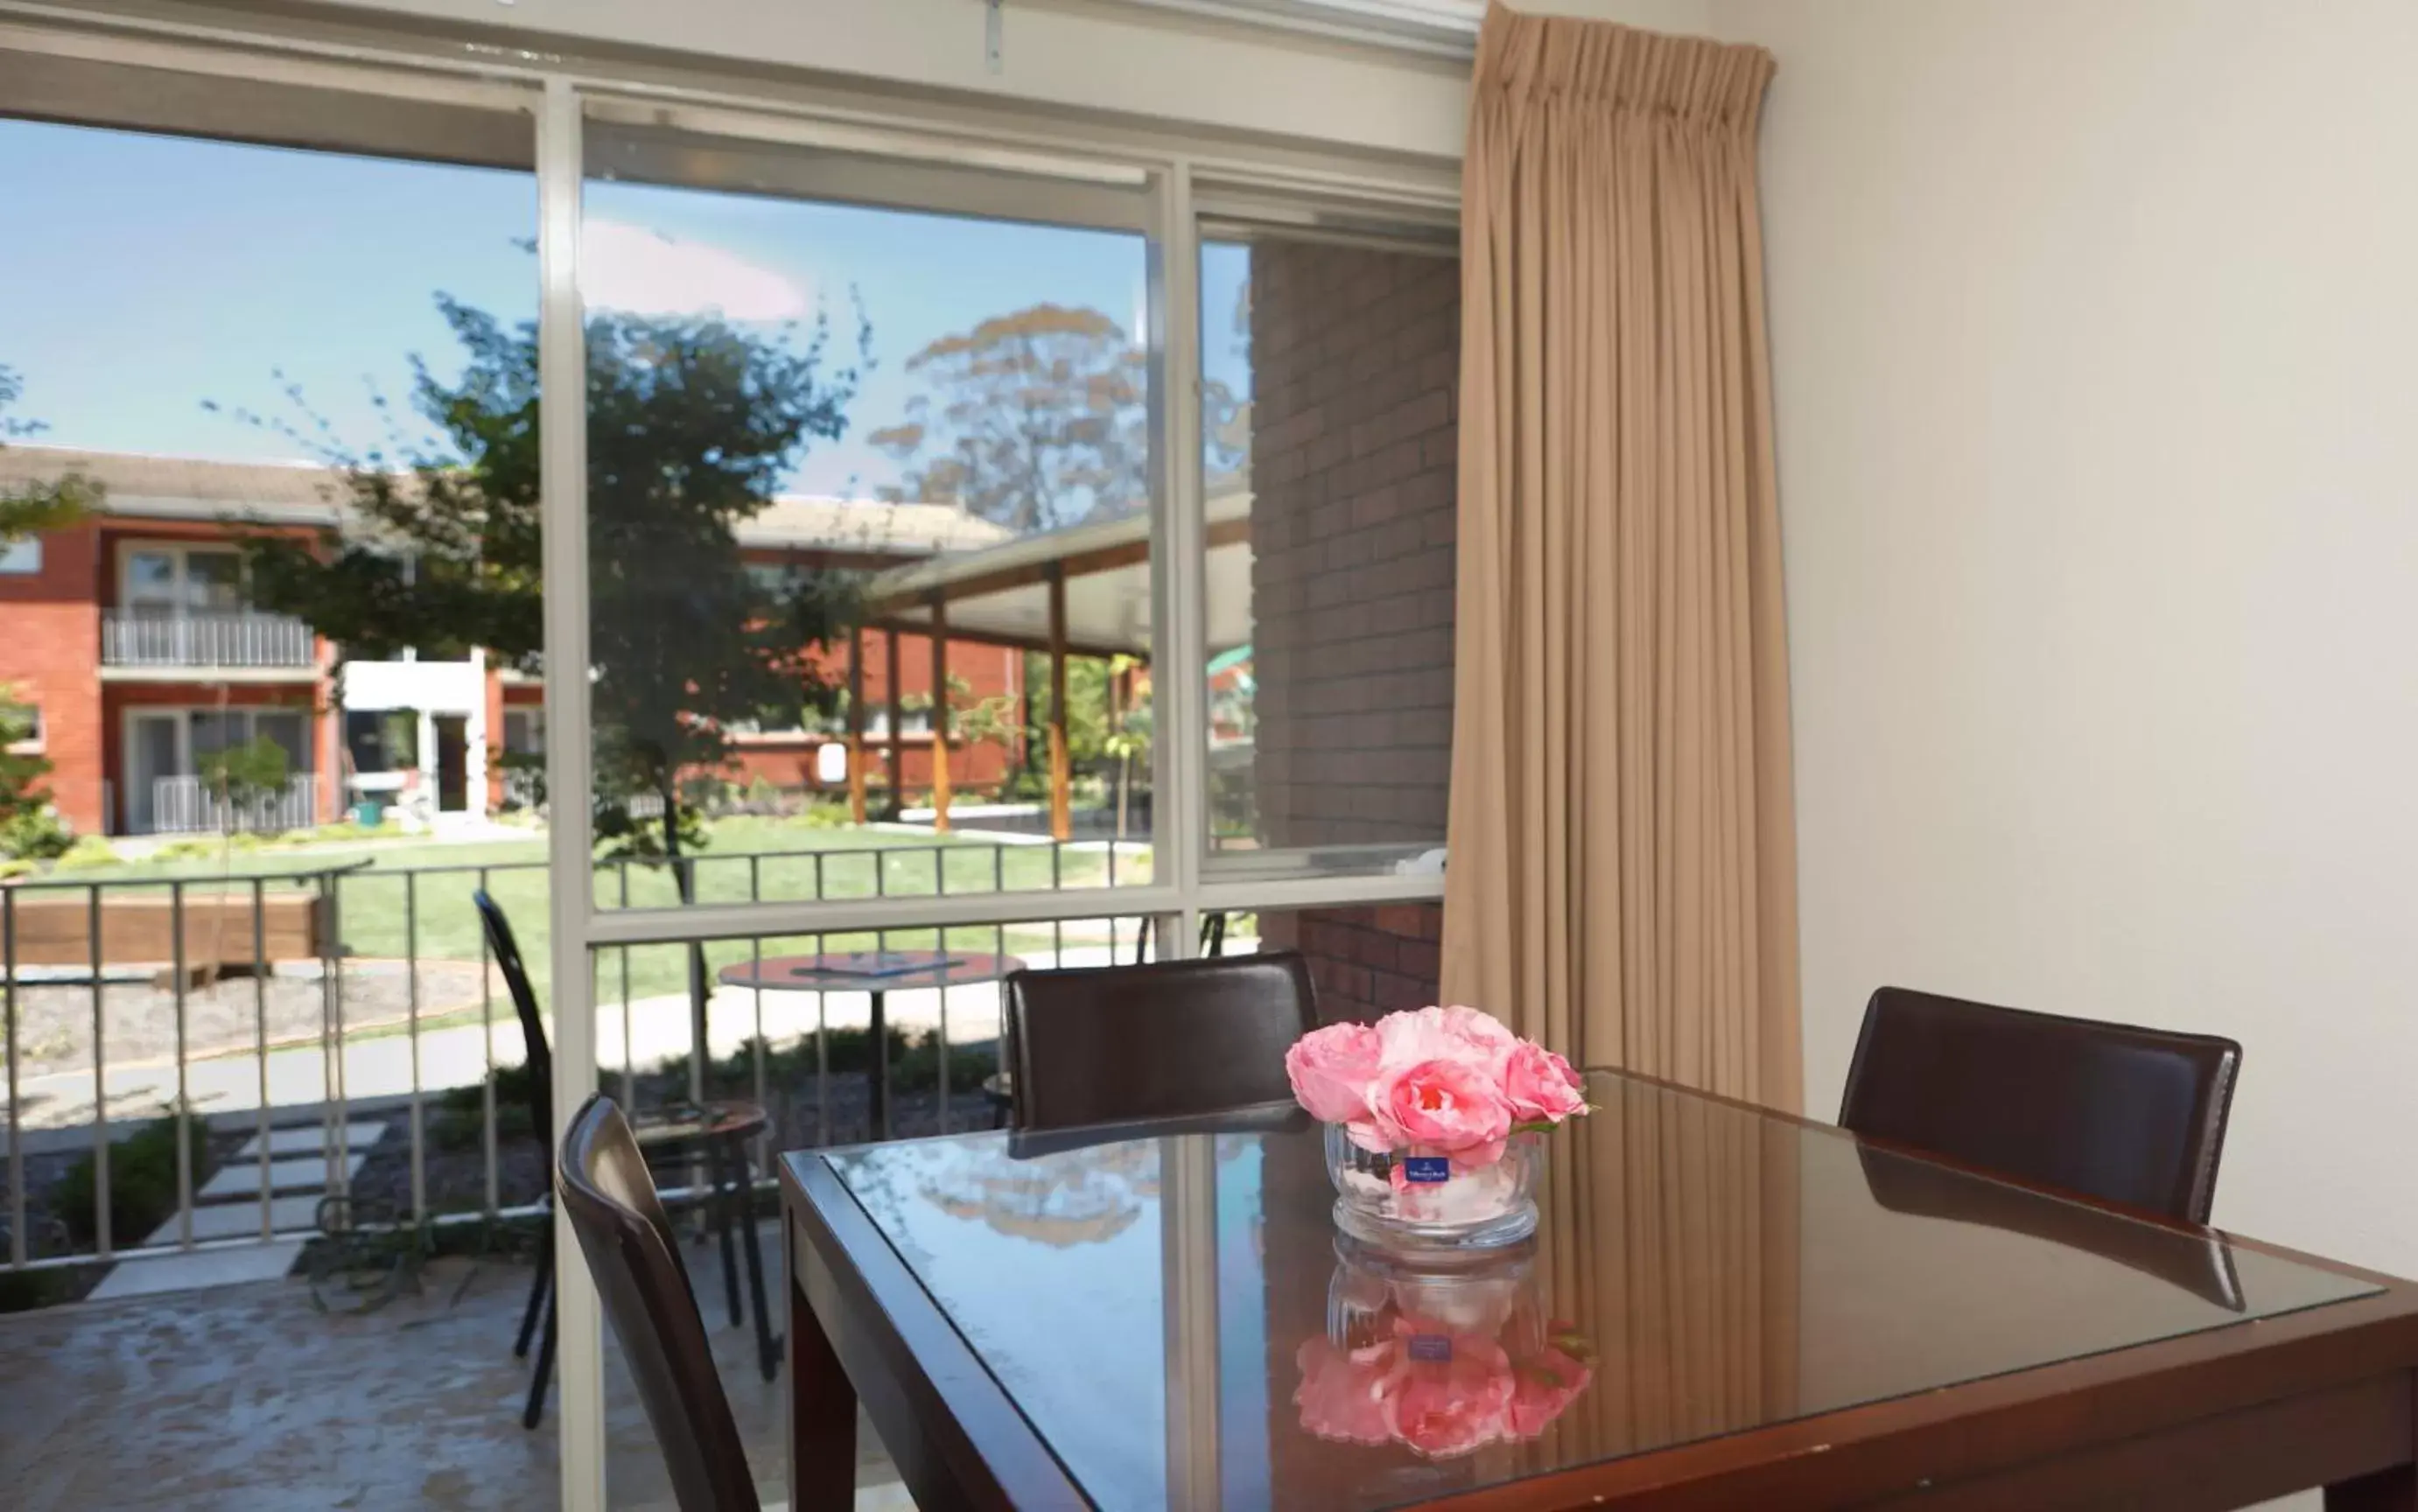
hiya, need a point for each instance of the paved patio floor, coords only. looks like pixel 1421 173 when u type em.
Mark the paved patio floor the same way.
pixel 249 1398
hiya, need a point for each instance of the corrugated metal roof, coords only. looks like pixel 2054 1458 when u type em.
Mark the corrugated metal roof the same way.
pixel 190 488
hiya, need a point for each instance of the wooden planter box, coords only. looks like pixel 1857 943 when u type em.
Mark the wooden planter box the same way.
pixel 56 929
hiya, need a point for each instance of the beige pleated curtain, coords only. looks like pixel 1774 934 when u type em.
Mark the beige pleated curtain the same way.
pixel 1622 875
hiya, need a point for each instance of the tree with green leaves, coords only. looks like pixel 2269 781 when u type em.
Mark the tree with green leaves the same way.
pixel 29 826
pixel 245 779
pixel 1034 420
pixel 50 504
pixel 691 424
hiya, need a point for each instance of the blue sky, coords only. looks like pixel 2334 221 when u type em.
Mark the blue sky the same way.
pixel 145 275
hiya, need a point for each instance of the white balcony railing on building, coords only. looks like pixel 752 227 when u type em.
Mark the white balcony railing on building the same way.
pixel 241 639
pixel 187 805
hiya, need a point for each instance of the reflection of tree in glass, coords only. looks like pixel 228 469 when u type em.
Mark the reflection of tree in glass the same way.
pixel 1079 1197
pixel 691 424
pixel 40 504
pixel 1034 419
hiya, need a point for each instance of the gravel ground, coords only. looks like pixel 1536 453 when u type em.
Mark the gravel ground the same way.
pixel 139 1018
pixel 457 1176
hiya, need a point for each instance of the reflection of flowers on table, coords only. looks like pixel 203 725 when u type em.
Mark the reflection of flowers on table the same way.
pixel 1075 1197
pixel 1443 1364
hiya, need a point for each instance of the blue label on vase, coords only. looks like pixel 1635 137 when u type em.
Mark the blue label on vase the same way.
pixel 1433 1348
pixel 1426 1170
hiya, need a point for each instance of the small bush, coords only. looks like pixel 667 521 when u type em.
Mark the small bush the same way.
pixel 461 1112
pixel 89 850
pixel 142 1183
pixel 34 832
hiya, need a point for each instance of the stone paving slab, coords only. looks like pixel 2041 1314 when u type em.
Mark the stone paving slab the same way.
pixel 235 1220
pixel 204 1268
pixel 296 1173
pixel 310 1140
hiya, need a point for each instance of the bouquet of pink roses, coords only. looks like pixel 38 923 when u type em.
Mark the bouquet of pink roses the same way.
pixel 1448 1082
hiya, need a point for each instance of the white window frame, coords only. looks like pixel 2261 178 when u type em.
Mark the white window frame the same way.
pixel 1094 158
pixel 21 557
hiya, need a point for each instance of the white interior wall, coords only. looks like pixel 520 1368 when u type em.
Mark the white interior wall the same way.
pixel 2092 329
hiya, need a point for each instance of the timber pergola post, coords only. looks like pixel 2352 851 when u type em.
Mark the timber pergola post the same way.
pixel 856 726
pixel 940 711
pixel 1062 812
pixel 897 722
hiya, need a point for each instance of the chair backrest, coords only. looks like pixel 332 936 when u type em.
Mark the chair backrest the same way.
pixel 635 1257
pixel 2127 1115
pixel 1103 1044
pixel 507 952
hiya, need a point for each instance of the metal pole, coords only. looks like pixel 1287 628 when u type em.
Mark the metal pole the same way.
pixel 411 1009
pixel 488 1079
pixel 260 1047
pixel 16 1114
pixel 184 1099
pixel 563 451
pixel 100 1086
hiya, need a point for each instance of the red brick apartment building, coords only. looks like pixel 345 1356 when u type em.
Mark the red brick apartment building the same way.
pixel 131 634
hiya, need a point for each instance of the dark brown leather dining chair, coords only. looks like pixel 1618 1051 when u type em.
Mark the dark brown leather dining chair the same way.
pixel 1174 1039
pixel 2135 1116
pixel 631 1251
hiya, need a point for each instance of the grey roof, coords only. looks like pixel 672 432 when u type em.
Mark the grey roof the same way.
pixel 138 486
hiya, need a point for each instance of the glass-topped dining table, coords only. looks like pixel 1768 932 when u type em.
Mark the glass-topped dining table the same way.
pixel 1722 1307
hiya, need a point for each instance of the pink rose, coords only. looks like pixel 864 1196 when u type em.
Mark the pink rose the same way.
pixel 1548 1381
pixel 1443 1034
pixel 1333 1070
pixel 1452 1406
pixel 1539 1084
pixel 1339 1395
pixel 1442 1106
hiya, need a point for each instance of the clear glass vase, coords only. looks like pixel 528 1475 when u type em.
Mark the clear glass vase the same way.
pixel 1414 1201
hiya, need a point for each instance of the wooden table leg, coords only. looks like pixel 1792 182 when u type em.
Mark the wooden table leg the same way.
pixel 2387 1490
pixel 822 1411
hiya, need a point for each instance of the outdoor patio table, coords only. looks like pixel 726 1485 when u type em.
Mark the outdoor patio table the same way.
pixel 1724 1308
pixel 877 973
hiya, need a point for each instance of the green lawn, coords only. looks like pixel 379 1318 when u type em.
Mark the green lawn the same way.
pixel 415 894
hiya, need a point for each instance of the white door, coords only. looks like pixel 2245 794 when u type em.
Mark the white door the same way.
pixel 153 750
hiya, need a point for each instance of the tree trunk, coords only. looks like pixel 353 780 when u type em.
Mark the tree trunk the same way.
pixel 684 878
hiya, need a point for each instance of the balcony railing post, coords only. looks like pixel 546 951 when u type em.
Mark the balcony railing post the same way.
pixel 16 1116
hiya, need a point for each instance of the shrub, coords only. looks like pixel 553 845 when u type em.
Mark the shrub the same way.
pixel 461 1111
pixel 90 851
pixel 34 832
pixel 141 1182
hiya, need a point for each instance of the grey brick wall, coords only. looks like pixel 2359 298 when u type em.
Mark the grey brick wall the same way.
pixel 1355 361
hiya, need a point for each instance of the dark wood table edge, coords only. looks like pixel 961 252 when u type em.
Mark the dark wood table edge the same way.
pixel 2341 1363
pixel 956 1437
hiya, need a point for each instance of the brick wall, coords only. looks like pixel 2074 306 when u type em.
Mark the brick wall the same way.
pixel 1355 360
pixel 1355 367
pixel 50 654
pixel 1365 962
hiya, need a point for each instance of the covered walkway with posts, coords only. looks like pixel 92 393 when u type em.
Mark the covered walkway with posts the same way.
pixel 1081 590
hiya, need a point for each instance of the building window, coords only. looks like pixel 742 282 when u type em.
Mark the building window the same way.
pixel 21 559
pixel 382 740
pixel 525 732
pixel 33 740
pixel 173 580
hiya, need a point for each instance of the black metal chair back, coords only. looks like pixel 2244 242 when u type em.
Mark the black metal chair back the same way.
pixel 507 952
pixel 1171 1039
pixel 2111 1112
pixel 635 1258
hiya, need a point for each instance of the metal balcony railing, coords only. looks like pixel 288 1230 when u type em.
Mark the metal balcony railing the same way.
pixel 129 638
pixel 353 998
pixel 188 806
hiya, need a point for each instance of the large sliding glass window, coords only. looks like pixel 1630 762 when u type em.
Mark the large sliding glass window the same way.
pixel 870 474
pixel 800 566
pixel 1330 359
